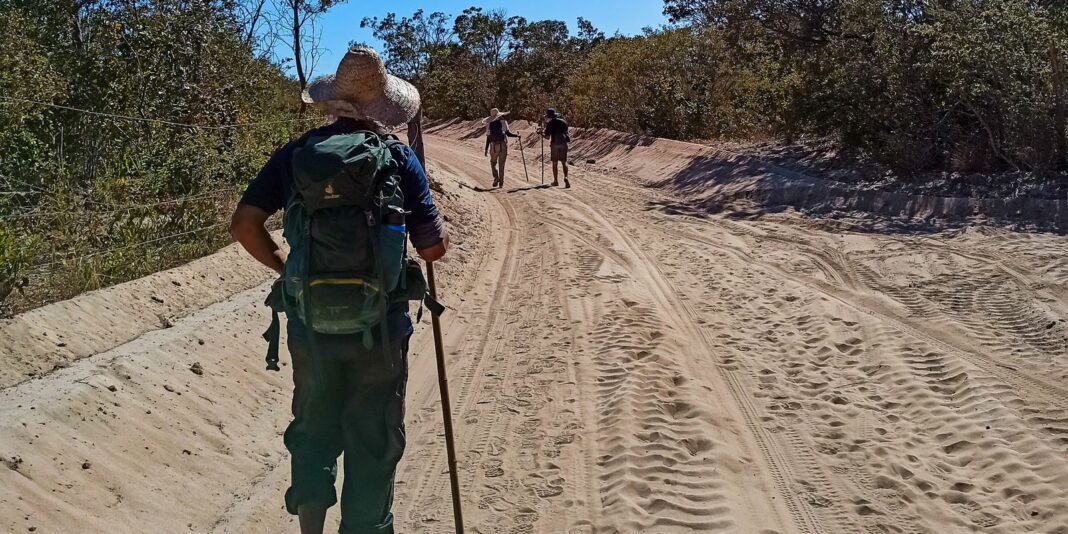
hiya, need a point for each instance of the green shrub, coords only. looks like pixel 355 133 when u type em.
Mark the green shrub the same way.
pixel 16 258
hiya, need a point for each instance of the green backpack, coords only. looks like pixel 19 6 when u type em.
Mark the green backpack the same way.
pixel 344 223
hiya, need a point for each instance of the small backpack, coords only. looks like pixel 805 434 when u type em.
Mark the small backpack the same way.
pixel 344 222
pixel 496 131
pixel 562 126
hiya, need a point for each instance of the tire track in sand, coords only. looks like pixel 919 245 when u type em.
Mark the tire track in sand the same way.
pixel 520 423
pixel 424 498
pixel 776 463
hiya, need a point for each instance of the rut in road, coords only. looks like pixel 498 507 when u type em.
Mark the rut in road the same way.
pixel 581 396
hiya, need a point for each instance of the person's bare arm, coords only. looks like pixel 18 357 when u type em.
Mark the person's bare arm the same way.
pixel 247 227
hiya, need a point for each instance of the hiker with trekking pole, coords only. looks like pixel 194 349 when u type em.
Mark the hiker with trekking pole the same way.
pixel 353 198
pixel 555 131
pixel 497 135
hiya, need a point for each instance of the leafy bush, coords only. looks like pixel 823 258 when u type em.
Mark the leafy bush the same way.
pixel 16 256
pixel 100 196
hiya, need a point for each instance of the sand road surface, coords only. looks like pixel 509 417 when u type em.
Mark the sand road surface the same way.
pixel 618 363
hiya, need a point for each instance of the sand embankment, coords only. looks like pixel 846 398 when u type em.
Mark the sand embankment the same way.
pixel 715 179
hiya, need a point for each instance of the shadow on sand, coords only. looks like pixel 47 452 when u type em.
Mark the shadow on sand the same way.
pixel 529 188
pixel 480 189
pixel 743 187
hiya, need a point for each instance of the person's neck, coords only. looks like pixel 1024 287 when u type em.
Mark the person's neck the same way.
pixel 349 123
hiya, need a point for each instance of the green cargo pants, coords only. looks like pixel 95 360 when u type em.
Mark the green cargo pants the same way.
pixel 358 410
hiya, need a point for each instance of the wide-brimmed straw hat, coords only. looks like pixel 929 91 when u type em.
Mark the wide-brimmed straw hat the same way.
pixel 494 115
pixel 363 90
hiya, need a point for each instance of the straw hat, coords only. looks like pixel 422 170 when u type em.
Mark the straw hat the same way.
pixel 494 115
pixel 363 90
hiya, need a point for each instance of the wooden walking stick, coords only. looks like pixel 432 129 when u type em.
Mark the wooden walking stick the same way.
pixel 446 406
pixel 415 140
pixel 525 175
pixel 542 136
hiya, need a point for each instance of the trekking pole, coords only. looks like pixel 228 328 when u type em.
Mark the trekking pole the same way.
pixel 446 407
pixel 542 136
pixel 525 175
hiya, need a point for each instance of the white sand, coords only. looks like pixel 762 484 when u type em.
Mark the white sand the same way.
pixel 617 365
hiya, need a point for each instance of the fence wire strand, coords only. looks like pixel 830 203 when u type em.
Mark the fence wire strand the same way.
pixel 160 121
pixel 120 209
pixel 67 255
pixel 38 219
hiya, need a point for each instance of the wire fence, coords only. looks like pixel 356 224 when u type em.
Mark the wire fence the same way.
pixel 61 242
pixel 161 121
pixel 121 209
pixel 82 256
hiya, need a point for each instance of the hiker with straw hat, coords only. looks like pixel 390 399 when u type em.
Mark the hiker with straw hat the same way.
pixel 352 195
pixel 497 135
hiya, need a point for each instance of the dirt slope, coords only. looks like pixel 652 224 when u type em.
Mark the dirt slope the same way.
pixel 619 363
pixel 717 178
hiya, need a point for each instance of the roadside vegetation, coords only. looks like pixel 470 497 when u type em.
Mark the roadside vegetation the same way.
pixel 918 85
pixel 127 129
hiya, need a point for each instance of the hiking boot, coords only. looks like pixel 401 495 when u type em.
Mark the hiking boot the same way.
pixel 567 184
pixel 556 183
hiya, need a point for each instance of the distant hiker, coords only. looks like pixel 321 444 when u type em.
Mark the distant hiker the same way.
pixel 351 195
pixel 556 132
pixel 497 135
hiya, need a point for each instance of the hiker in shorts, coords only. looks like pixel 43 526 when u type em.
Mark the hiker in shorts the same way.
pixel 349 388
pixel 556 132
pixel 497 135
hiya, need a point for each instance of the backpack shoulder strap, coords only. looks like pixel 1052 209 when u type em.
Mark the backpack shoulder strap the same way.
pixel 394 144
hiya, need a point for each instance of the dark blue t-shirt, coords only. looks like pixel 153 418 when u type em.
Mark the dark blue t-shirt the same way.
pixel 270 189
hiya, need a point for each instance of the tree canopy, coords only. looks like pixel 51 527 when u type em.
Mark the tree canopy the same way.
pixel 958 85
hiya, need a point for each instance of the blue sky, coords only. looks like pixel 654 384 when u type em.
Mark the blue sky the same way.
pixel 342 23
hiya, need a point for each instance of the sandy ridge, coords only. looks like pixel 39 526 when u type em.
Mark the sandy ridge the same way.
pixel 36 342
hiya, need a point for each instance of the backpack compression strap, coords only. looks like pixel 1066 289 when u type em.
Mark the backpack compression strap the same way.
pixel 432 305
pixel 275 302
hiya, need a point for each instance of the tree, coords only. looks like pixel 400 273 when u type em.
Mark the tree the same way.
pixel 297 19
pixel 409 42
pixel 486 35
pixel 484 59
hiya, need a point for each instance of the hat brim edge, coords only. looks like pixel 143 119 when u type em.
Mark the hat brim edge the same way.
pixel 323 90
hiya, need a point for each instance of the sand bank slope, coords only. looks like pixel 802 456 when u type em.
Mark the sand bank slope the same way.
pixel 151 410
pixel 715 178
pixel 35 342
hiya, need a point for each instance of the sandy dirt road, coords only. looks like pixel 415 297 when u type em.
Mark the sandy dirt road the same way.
pixel 618 363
